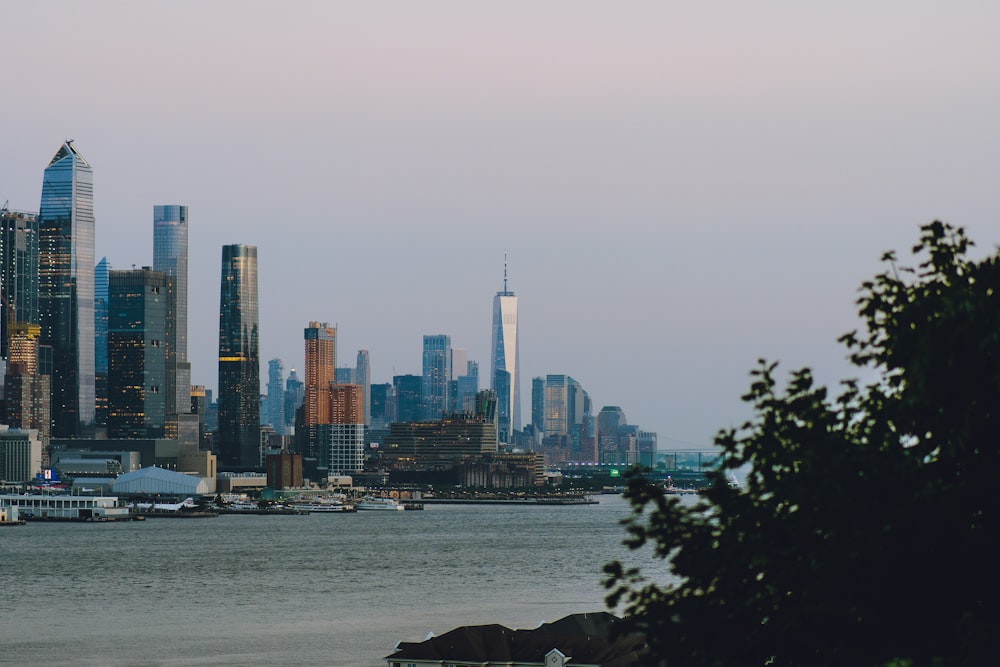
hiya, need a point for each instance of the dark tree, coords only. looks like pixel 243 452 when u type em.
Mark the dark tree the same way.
pixel 867 530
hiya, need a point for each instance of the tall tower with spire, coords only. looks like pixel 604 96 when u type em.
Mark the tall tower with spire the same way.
pixel 505 376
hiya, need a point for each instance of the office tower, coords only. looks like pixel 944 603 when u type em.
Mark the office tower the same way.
pixel 101 341
pixel 27 389
pixel 294 397
pixel 137 353
pixel 344 430
pixel 383 405
pixel 459 361
pixel 436 376
pixel 505 360
pixel 20 454
pixel 238 441
pixel 66 288
pixel 538 403
pixel 18 272
pixel 363 377
pixel 344 375
pixel 275 401
pixel 199 406
pixel 170 255
pixel 609 421
pixel 407 388
pixel 467 387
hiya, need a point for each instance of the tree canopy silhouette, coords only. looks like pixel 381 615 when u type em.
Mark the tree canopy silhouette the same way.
pixel 866 532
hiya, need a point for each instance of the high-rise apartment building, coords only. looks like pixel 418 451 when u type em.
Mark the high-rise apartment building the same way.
pixel 238 437
pixel 294 397
pixel 321 369
pixel 436 377
pixel 274 404
pixel 170 255
pixel 505 367
pixel 66 288
pixel 363 377
pixel 137 353
pixel 344 430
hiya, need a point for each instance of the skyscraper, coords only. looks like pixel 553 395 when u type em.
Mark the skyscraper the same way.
pixel 363 377
pixel 66 288
pixel 275 402
pixel 18 272
pixel 436 376
pixel 101 341
pixel 137 353
pixel 170 255
pixel 505 359
pixel 344 430
pixel 321 371
pixel 239 362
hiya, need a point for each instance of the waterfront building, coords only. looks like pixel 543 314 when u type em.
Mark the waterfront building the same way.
pixel 154 481
pixel 363 377
pixel 344 432
pixel 137 360
pixel 274 404
pixel 504 369
pixel 170 255
pixel 66 288
pixel 408 400
pixel 284 471
pixel 101 341
pixel 455 436
pixel 20 454
pixel 436 376
pixel 47 506
pixel 238 438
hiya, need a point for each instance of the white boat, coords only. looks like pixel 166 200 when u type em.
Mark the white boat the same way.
pixel 322 507
pixel 373 503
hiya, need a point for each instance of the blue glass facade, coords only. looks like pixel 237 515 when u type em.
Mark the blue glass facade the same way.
pixel 436 379
pixel 66 289
pixel 170 255
pixel 137 359
pixel 238 438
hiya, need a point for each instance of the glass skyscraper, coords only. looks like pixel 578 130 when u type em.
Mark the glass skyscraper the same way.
pixel 137 353
pixel 18 272
pixel 436 379
pixel 66 288
pixel 170 255
pixel 238 437
pixel 506 383
pixel 101 341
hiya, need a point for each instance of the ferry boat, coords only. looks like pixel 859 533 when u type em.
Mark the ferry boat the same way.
pixel 374 503
pixel 321 507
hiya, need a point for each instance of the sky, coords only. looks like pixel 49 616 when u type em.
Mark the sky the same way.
pixel 681 187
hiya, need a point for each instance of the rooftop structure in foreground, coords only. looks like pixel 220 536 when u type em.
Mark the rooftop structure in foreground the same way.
pixel 578 639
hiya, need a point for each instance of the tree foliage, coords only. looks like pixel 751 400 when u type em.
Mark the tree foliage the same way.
pixel 866 532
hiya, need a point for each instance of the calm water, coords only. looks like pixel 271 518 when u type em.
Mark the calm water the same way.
pixel 296 590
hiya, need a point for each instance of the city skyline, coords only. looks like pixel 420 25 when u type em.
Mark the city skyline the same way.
pixel 682 190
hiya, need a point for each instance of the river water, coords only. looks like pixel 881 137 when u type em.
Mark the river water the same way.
pixel 327 589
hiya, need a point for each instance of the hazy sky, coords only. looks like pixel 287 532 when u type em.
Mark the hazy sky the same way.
pixel 683 187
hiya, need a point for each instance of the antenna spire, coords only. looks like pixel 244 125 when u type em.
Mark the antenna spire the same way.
pixel 504 270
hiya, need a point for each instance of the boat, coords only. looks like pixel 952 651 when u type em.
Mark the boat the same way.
pixel 375 503
pixel 320 507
